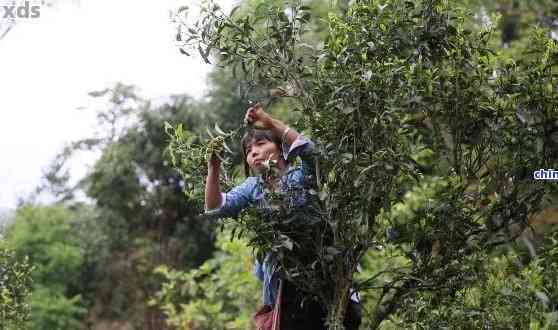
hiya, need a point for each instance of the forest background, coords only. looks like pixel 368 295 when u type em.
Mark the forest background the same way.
pixel 457 101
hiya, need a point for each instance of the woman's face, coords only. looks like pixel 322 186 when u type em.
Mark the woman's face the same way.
pixel 259 151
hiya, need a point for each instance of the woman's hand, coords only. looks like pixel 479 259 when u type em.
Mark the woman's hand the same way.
pixel 214 152
pixel 258 118
pixel 213 163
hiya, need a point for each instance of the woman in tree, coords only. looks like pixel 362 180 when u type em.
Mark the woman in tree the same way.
pixel 275 142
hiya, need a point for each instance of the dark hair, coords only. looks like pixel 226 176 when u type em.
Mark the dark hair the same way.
pixel 252 136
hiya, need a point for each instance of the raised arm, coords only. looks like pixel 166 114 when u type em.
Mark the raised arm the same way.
pixel 293 143
pixel 219 204
pixel 265 121
pixel 213 198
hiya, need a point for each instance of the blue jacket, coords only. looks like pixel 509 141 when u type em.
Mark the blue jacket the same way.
pixel 251 193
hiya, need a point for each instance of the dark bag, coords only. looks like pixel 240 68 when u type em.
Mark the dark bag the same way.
pixel 300 311
pixel 353 317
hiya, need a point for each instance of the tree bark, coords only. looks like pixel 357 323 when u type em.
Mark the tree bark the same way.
pixel 337 309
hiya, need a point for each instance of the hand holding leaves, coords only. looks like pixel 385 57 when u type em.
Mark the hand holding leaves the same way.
pixel 214 150
pixel 193 155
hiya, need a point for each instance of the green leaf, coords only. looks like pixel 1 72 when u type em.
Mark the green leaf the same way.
pixel 347 110
pixel 235 8
pixel 209 133
pixel 204 54
pixel 227 148
pixel 333 251
pixel 219 130
pixel 287 243
pixel 323 195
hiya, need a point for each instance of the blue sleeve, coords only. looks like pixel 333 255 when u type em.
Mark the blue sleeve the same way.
pixel 235 200
pixel 301 147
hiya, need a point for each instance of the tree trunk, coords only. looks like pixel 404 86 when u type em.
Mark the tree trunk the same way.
pixel 336 311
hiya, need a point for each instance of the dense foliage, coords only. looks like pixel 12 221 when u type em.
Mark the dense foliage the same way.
pixel 50 238
pixel 15 283
pixel 404 97
pixel 222 292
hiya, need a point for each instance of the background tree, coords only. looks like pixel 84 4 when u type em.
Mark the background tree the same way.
pixel 50 238
pixel 140 206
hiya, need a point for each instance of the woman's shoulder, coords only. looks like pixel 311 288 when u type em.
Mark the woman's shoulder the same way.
pixel 301 146
pixel 252 179
pixel 245 188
